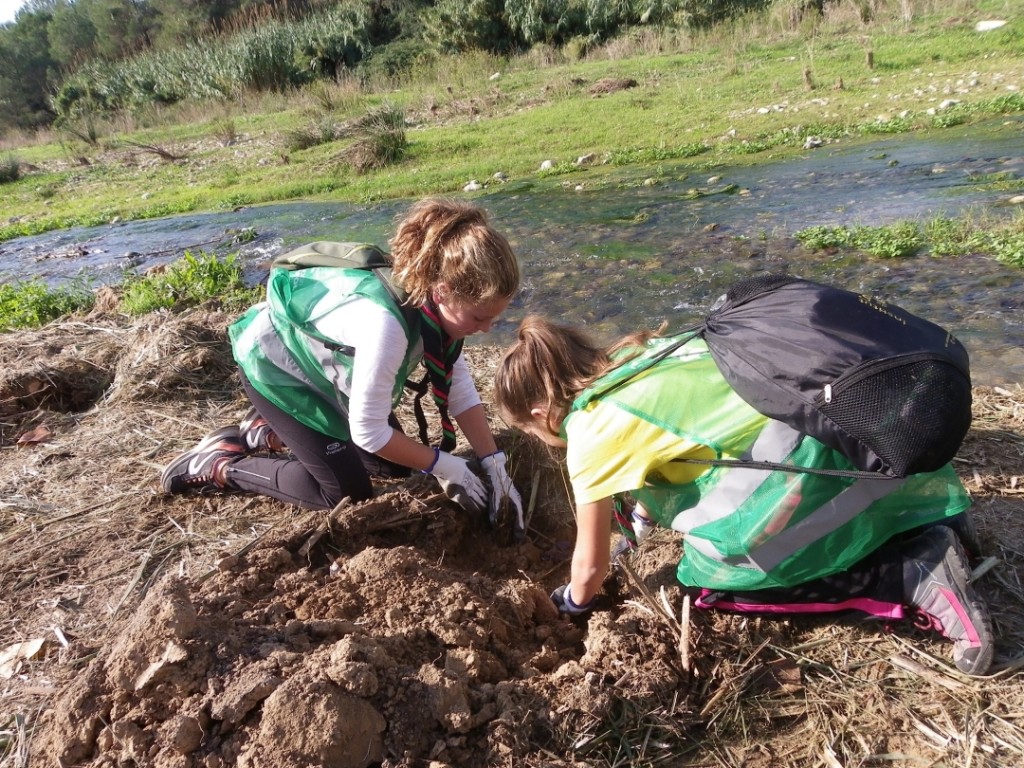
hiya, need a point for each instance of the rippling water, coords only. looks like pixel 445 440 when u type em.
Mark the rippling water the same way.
pixel 617 254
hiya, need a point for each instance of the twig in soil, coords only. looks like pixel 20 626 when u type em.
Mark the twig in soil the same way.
pixel 684 633
pixel 984 567
pixel 21 750
pixel 631 574
pixel 138 577
pixel 533 500
pixel 909 665
pixel 240 553
pixel 381 514
pixel 322 528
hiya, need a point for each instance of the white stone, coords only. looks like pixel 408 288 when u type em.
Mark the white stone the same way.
pixel 473 186
pixel 547 165
pixel 988 26
pixel 495 76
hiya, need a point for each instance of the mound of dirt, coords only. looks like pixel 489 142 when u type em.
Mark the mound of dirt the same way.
pixel 230 630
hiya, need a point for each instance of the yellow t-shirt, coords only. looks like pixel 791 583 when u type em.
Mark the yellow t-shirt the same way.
pixel 611 450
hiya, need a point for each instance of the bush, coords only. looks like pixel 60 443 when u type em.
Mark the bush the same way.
pixel 187 282
pixel 379 139
pixel 10 169
pixel 396 61
pixel 32 303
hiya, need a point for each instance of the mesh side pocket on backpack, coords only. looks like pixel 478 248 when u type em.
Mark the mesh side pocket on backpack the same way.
pixel 913 415
pixel 741 292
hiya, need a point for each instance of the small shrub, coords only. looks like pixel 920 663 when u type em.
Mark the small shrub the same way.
pixel 10 169
pixel 380 139
pixel 893 241
pixel 321 130
pixel 87 131
pixel 32 303
pixel 226 129
pixel 187 282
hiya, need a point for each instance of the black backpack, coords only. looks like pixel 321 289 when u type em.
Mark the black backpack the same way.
pixel 887 389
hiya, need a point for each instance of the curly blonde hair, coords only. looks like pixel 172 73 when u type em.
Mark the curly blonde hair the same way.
pixel 449 242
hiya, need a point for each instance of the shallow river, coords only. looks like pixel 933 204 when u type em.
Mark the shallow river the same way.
pixel 617 255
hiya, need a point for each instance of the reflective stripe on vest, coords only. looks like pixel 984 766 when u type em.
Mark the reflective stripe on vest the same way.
pixel 776 441
pixel 734 488
pixel 827 518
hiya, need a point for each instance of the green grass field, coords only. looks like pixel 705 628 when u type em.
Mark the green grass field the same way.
pixel 751 91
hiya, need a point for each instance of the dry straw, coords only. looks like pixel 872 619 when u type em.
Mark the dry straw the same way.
pixel 85 532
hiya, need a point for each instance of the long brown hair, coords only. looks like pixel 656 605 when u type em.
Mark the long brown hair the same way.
pixel 451 242
pixel 549 365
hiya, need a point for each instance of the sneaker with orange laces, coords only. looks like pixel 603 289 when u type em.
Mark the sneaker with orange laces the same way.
pixel 936 583
pixel 258 435
pixel 201 469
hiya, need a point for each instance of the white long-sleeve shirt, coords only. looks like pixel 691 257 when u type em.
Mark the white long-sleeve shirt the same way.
pixel 380 344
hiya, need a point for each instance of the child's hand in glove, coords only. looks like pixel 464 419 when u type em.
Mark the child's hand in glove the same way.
pixel 562 598
pixel 505 501
pixel 459 483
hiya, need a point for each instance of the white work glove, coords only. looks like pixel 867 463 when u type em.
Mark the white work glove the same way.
pixel 459 483
pixel 505 499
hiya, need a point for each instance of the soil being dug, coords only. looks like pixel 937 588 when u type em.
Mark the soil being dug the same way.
pixel 140 629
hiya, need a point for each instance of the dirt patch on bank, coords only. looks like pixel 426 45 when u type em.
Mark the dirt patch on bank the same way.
pixel 199 632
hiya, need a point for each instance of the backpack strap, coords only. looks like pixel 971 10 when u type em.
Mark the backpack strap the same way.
pixel 439 355
pixel 771 466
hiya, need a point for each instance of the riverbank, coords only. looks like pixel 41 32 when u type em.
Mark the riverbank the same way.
pixel 744 94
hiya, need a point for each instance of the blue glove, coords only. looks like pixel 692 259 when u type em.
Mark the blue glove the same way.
pixel 562 598
pixel 505 499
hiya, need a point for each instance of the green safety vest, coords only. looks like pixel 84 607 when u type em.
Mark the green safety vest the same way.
pixel 748 529
pixel 285 358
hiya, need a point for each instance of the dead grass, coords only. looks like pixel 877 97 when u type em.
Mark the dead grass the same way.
pixel 85 533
